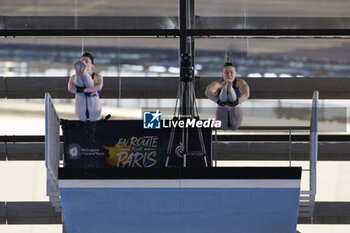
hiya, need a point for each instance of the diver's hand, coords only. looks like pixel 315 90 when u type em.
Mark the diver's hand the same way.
pixel 80 89
pixel 232 104
pixel 221 103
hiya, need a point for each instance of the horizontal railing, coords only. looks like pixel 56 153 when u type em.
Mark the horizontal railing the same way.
pixel 165 87
pixel 220 137
pixel 44 213
pixel 246 149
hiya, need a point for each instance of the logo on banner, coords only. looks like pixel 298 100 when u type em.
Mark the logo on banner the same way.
pixel 133 152
pixel 74 151
pixel 179 150
pixel 151 119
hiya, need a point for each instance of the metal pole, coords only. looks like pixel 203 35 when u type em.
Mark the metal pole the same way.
pixel 63 224
pixel 183 89
pixel 290 147
pixel 313 151
pixel 314 143
pixel 185 104
pixel 193 23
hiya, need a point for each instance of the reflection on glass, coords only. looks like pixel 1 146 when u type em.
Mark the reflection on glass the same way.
pixel 78 14
pixel 271 58
pixel 83 8
pixel 37 8
pixel 114 56
pixel 275 58
pixel 272 14
pixel 273 8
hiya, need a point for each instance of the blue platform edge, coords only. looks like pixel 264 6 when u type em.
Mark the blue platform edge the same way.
pixel 246 206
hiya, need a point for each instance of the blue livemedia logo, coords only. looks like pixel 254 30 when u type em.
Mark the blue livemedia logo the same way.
pixel 151 119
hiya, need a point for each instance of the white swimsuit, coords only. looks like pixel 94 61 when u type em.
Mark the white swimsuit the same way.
pixel 87 107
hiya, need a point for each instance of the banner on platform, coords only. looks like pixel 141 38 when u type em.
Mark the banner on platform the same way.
pixel 125 143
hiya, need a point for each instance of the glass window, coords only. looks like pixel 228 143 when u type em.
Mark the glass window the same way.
pixel 275 58
pixel 103 14
pixel 113 56
pixel 83 8
pixel 273 14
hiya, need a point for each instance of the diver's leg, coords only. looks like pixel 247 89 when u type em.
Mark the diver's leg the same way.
pixel 222 115
pixel 231 94
pixel 84 80
pixel 79 70
pixel 80 98
pixel 87 79
pixel 235 117
pixel 223 93
pixel 80 106
pixel 94 106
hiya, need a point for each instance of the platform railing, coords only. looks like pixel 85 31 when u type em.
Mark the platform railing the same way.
pixel 307 197
pixel 52 152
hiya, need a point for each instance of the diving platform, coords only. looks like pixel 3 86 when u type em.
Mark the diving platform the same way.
pixel 234 199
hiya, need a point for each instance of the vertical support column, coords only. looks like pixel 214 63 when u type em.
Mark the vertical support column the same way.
pixel 183 18
pixel 185 103
pixel 192 25
pixel 185 98
pixel 290 147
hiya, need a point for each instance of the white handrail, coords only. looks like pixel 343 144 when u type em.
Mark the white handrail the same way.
pixel 314 142
pixel 52 147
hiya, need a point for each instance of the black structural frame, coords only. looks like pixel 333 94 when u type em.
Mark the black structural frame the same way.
pixel 186 91
pixel 336 33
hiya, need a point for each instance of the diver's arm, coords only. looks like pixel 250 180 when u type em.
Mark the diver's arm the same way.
pixel 71 86
pixel 210 92
pixel 97 86
pixel 243 86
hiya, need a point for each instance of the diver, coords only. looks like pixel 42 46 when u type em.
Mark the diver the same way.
pixel 228 93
